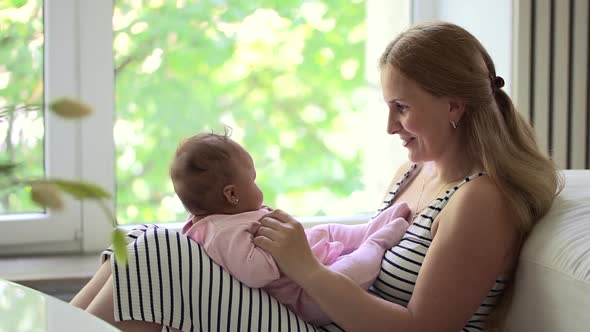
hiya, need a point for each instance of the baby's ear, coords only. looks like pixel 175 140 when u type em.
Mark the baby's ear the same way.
pixel 229 193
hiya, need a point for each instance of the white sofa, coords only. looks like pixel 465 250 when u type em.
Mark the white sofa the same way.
pixel 552 290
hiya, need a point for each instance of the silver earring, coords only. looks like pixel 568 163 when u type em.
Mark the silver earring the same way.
pixel 236 201
pixel 454 124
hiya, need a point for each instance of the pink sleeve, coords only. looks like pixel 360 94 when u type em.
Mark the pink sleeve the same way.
pixel 187 224
pixel 232 247
pixel 398 210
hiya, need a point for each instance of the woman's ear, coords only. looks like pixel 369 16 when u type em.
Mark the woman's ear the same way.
pixel 229 193
pixel 457 107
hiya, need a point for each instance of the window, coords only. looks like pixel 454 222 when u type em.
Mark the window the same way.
pixel 35 66
pixel 287 76
pixel 296 80
pixel 21 83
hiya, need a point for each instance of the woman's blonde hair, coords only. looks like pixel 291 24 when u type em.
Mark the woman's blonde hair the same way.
pixel 446 60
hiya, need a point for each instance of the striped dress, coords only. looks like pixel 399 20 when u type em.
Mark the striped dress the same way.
pixel 170 280
pixel 401 264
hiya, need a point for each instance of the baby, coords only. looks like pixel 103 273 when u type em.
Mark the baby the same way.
pixel 215 179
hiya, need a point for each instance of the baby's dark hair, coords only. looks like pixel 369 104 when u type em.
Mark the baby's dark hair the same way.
pixel 200 169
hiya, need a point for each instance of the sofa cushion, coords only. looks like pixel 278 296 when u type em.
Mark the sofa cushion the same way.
pixel 552 282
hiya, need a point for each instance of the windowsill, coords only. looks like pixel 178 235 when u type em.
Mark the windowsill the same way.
pixel 55 268
pixel 33 269
pixel 307 222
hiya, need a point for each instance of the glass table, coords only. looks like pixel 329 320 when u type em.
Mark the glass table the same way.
pixel 23 309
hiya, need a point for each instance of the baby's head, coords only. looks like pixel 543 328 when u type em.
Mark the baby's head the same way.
pixel 212 174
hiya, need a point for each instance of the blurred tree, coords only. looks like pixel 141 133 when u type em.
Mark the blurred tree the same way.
pixel 21 87
pixel 283 74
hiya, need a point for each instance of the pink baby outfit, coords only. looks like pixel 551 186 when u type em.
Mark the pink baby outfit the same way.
pixel 353 250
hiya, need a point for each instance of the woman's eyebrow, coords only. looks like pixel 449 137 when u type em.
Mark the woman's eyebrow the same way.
pixel 394 100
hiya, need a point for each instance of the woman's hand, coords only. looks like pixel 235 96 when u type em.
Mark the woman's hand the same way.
pixel 284 238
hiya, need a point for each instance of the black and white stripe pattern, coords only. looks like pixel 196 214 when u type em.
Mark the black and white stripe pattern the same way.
pixel 401 264
pixel 170 280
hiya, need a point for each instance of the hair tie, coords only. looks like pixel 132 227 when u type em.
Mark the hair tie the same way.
pixel 498 82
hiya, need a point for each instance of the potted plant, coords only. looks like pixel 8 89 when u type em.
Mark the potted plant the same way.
pixel 48 192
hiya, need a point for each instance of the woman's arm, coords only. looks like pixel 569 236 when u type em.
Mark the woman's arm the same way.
pixel 475 239
pixel 341 299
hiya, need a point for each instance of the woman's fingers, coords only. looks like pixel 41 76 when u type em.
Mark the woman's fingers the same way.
pixel 268 232
pixel 264 243
pixel 282 236
pixel 268 239
pixel 280 216
pixel 270 222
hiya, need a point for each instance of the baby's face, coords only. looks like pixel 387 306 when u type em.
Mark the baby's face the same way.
pixel 250 196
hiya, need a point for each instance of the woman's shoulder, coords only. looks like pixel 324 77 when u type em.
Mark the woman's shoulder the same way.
pixel 478 192
pixel 406 167
pixel 479 208
pixel 401 172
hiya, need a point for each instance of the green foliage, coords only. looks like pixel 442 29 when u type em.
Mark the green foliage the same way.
pixel 23 186
pixel 46 194
pixel 272 70
pixel 283 74
pixel 21 84
pixel 7 168
pixel 70 108
pixel 119 246
pixel 82 190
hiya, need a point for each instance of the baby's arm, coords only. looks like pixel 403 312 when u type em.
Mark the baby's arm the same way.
pixel 363 264
pixel 233 248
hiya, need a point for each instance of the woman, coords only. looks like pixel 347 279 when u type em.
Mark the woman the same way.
pixel 476 181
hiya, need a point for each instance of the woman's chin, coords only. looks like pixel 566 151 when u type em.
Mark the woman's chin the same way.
pixel 415 158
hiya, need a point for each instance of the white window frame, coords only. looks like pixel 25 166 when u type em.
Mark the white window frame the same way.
pixel 75 67
pixel 97 87
pixel 79 62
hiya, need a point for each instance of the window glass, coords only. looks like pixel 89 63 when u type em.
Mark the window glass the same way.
pixel 287 76
pixel 21 95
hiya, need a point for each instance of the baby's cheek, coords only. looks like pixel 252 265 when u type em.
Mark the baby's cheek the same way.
pixel 261 196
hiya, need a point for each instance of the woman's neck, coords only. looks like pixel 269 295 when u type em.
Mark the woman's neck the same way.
pixel 451 168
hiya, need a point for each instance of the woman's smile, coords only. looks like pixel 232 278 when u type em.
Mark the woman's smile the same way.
pixel 407 141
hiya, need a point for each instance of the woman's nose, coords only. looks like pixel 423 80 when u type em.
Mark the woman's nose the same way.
pixel 393 124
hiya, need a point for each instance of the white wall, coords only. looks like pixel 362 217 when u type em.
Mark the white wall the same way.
pixel 490 21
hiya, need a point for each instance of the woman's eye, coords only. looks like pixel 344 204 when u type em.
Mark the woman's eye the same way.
pixel 401 108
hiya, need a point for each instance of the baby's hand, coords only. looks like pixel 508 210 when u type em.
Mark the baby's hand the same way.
pixel 266 207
